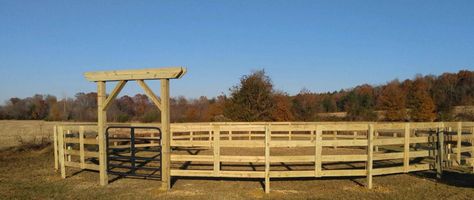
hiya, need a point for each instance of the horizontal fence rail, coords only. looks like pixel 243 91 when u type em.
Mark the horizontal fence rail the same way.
pixel 291 150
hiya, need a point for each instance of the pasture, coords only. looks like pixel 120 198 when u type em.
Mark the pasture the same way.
pixel 30 174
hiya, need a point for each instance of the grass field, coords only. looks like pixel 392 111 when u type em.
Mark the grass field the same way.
pixel 27 172
pixel 30 175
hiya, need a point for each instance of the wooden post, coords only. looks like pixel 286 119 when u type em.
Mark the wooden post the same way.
pixel 406 149
pixel 472 148
pixel 68 147
pixel 191 136
pixel 230 135
pixel 335 138
pixel 267 158
pixel 55 147
pixel 370 154
pixel 216 149
pixel 376 148
pixel 81 147
pixel 101 126
pixel 318 148
pixel 289 135
pixel 440 153
pixel 61 151
pixel 165 130
pixel 459 143
pixel 355 135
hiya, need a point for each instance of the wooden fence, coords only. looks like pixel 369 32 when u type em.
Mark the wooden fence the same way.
pixel 286 150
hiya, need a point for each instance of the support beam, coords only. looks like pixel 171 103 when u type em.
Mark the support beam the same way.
pixel 165 131
pixel 114 94
pixel 370 155
pixel 150 93
pixel 459 143
pixel 101 126
pixel 406 148
pixel 267 158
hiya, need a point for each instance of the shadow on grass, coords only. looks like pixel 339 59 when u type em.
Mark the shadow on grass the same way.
pixel 455 178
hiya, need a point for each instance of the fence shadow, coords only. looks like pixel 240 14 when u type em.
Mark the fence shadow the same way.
pixel 455 178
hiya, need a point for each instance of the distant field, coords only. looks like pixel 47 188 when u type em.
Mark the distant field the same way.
pixel 14 132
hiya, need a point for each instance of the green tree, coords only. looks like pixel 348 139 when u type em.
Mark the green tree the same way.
pixel 252 99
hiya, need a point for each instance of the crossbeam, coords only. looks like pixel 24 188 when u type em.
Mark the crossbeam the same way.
pixel 137 74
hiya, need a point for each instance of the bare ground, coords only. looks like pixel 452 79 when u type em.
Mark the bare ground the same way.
pixel 30 175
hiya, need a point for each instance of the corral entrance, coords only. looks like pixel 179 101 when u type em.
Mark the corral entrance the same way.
pixel 134 152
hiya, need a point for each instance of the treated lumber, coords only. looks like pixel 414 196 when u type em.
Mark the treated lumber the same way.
pixel 113 95
pixel 61 151
pixel 267 159
pixel 342 143
pixel 291 174
pixel 370 154
pixel 55 147
pixel 150 93
pixel 318 151
pixel 138 74
pixel 101 126
pixel 459 143
pixel 78 153
pixel 81 147
pixel 216 148
pixel 406 148
pixel 344 172
pixel 78 140
pixel 165 132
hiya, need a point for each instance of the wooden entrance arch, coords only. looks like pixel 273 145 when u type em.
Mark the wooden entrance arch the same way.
pixel 163 104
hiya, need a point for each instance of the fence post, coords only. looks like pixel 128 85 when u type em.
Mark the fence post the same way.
pixel 472 148
pixel 459 143
pixel 61 151
pixel 81 147
pixel 335 138
pixel 318 148
pixel 370 154
pixel 55 147
pixel 376 148
pixel 68 147
pixel 216 149
pixel 267 158
pixel 406 149
pixel 440 153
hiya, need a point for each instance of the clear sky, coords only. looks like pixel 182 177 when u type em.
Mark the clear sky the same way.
pixel 45 46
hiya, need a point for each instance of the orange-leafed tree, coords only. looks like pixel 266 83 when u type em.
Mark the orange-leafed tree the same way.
pixel 392 101
pixel 282 108
pixel 422 107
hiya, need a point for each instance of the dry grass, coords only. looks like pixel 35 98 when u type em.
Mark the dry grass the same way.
pixel 26 172
pixel 30 175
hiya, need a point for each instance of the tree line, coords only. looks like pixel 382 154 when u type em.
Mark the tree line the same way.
pixel 254 98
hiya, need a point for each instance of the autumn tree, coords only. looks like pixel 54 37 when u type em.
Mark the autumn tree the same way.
pixel 252 99
pixel 392 101
pixel 282 109
pixel 421 104
pixel 305 105
pixel 359 104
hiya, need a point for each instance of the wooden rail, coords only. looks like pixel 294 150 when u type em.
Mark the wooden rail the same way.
pixel 402 143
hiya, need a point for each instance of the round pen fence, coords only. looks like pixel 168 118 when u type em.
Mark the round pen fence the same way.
pixel 279 150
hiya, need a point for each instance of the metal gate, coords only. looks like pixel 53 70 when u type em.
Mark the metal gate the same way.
pixel 134 153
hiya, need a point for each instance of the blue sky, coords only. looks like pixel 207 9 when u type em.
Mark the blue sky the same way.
pixel 45 46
